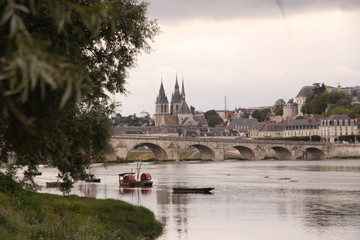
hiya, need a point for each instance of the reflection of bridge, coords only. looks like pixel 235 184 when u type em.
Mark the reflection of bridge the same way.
pixel 215 148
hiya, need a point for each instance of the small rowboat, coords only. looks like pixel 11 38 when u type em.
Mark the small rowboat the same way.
pixel 192 190
pixel 53 184
pixel 92 178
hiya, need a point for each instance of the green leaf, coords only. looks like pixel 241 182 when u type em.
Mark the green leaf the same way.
pixel 66 95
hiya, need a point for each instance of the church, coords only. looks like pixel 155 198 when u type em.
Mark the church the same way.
pixel 178 111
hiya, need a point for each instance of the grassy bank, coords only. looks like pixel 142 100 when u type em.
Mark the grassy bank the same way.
pixel 28 215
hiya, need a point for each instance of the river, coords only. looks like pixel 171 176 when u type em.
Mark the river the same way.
pixel 277 200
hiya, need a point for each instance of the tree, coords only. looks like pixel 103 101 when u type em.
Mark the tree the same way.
pixel 58 61
pixel 318 88
pixel 355 111
pixel 278 107
pixel 132 120
pixel 319 103
pixel 261 115
pixel 213 119
pixel 338 110
pixel 192 110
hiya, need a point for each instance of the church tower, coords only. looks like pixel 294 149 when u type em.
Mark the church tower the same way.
pixel 175 99
pixel 161 106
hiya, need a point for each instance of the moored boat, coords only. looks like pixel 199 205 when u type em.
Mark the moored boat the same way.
pixel 53 184
pixel 192 190
pixel 128 180
pixel 92 178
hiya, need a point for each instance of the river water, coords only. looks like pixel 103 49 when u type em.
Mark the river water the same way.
pixel 277 200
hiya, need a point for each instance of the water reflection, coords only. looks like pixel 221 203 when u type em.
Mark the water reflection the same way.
pixel 286 200
pixel 88 190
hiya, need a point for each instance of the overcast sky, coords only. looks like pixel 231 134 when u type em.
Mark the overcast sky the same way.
pixel 251 51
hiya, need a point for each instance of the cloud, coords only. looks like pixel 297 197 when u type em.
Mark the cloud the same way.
pixel 179 10
pixel 241 49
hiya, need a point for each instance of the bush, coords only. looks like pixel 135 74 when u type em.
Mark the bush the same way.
pixel 313 138
pixel 349 138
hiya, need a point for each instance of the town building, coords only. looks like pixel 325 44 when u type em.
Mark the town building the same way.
pixel 244 126
pixel 302 127
pixel 301 97
pixel 290 111
pixel 337 125
pixel 271 130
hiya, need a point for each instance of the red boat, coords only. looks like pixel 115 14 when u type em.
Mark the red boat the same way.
pixel 128 180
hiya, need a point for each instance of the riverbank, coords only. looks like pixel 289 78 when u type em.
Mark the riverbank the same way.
pixel 29 215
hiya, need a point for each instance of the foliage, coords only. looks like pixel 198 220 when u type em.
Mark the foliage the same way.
pixel 132 120
pixel 192 110
pixel 318 103
pixel 349 138
pixel 278 107
pixel 261 115
pixel 318 88
pixel 58 62
pixel 353 112
pixel 313 138
pixel 213 119
pixel 246 114
pixel 338 111
pixel 29 215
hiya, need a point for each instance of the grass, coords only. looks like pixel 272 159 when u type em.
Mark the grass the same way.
pixel 29 215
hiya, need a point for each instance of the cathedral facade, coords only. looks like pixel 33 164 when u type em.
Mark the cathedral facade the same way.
pixel 178 111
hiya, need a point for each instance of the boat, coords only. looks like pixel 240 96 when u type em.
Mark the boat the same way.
pixel 128 180
pixel 91 175
pixel 92 178
pixel 192 190
pixel 53 184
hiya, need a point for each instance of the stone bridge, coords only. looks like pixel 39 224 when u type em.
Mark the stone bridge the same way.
pixel 166 148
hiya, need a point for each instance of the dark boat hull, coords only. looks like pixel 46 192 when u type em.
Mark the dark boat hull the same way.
pixel 92 180
pixel 137 184
pixel 192 190
pixel 53 184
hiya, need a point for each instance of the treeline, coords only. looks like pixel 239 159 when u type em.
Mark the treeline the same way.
pixel 132 120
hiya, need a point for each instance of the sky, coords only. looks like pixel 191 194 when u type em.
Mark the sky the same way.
pixel 245 53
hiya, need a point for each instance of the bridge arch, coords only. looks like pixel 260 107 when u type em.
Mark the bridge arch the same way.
pixel 313 153
pixel 205 152
pixel 245 152
pixel 158 151
pixel 282 153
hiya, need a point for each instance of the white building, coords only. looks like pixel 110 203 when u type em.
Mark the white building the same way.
pixel 337 125
pixel 302 127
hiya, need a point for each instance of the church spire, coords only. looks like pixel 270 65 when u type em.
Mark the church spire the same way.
pixel 176 83
pixel 161 99
pixel 176 94
pixel 183 89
